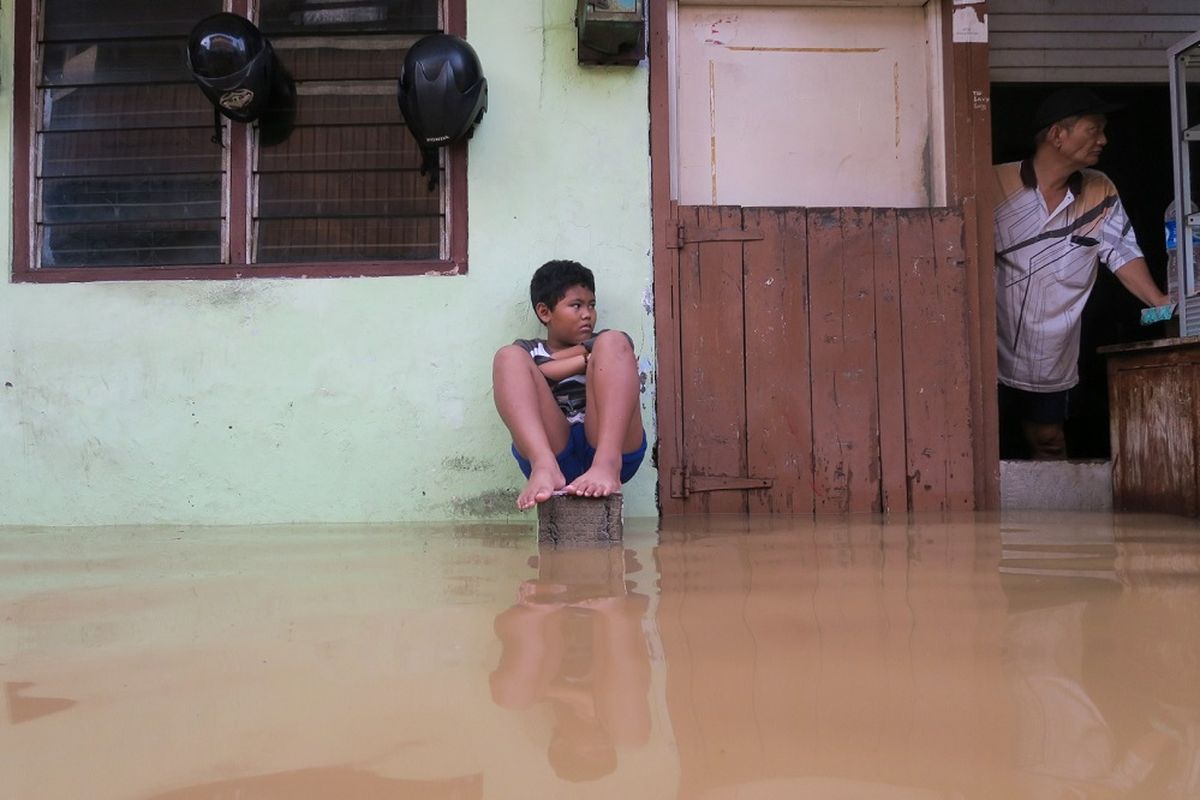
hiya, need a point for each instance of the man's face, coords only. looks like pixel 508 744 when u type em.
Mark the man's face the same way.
pixel 572 319
pixel 1083 141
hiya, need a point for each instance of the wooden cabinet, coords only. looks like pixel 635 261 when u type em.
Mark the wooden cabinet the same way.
pixel 1154 412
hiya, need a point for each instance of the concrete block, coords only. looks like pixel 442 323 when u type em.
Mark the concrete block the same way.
pixel 1056 485
pixel 570 519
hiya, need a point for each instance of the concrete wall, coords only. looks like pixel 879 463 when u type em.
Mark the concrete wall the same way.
pixel 357 400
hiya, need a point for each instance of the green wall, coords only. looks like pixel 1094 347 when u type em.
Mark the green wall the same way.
pixel 355 400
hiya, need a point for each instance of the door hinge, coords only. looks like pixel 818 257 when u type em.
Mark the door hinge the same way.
pixel 684 483
pixel 690 234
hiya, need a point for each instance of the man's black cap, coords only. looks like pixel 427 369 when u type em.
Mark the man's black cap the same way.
pixel 1070 102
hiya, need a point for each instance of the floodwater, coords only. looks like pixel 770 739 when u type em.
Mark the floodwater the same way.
pixel 1019 656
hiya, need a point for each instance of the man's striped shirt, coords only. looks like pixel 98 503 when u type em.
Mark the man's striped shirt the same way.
pixel 1046 263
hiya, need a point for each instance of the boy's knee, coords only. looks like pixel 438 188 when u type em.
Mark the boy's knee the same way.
pixel 614 341
pixel 511 353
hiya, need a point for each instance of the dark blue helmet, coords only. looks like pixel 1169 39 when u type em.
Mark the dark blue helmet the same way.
pixel 233 63
pixel 442 94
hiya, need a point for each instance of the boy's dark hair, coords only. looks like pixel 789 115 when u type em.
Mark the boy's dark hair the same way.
pixel 553 278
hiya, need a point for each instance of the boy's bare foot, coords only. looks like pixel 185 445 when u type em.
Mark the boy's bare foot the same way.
pixel 600 480
pixel 542 484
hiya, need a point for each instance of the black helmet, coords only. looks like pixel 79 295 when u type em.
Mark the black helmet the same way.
pixel 442 94
pixel 233 63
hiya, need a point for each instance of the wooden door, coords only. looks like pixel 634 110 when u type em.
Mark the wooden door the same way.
pixel 815 355
pixel 822 362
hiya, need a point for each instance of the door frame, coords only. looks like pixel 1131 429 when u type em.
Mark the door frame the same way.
pixel 967 106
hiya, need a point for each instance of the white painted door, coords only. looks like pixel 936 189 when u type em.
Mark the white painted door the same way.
pixel 807 106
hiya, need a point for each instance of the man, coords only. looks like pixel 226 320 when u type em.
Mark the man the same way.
pixel 1056 221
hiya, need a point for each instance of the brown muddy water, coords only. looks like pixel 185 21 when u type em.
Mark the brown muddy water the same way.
pixel 1019 656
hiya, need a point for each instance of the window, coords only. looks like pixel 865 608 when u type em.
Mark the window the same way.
pixel 120 173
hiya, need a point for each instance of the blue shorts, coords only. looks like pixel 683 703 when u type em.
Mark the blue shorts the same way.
pixel 577 456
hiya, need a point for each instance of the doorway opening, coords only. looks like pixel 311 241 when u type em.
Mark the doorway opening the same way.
pixel 1138 160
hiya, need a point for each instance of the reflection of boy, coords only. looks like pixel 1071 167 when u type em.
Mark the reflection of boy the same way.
pixel 588 659
pixel 544 386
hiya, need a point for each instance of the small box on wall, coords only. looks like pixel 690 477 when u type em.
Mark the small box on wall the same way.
pixel 611 31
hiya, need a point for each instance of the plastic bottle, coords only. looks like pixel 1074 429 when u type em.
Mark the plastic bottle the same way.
pixel 1172 251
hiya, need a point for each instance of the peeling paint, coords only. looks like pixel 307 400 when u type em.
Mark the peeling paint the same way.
pixel 712 127
pixel 927 167
pixel 896 99
pixel 645 373
pixel 722 30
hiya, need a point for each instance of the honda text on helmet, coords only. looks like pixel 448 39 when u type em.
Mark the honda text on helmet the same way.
pixel 442 94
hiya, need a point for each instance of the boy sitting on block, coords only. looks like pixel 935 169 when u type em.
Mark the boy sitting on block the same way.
pixel 543 387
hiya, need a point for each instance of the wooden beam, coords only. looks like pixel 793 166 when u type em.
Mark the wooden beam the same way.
pixel 967 95
pixel 668 449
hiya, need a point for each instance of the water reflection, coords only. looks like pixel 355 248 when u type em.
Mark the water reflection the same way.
pixel 1102 652
pixel 24 706
pixel 833 659
pixel 574 642
pixel 1049 656
pixel 329 782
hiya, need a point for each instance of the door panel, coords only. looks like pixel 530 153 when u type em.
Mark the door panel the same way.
pixel 805 106
pixel 889 352
pixel 714 389
pixel 778 395
pixel 842 340
pixel 824 362
pixel 936 360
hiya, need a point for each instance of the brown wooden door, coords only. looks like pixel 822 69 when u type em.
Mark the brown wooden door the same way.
pixel 821 364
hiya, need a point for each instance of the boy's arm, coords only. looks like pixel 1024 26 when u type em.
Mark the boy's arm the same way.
pixel 571 352
pixel 565 363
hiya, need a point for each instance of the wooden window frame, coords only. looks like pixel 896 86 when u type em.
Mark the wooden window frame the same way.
pixel 25 202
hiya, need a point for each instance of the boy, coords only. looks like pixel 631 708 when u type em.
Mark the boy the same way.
pixel 570 400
